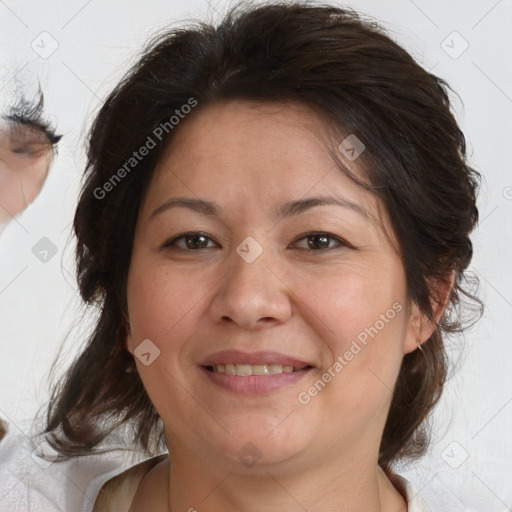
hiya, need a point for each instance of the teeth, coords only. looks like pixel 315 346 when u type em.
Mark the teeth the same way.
pixel 245 370
pixel 259 369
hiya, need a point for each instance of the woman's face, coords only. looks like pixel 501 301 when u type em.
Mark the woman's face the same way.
pixel 232 278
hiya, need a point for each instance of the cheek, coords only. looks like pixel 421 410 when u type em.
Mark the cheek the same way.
pixel 159 304
pixel 354 304
pixel 360 319
pixel 162 309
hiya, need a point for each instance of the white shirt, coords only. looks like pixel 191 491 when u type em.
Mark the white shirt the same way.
pixel 30 483
pixel 415 502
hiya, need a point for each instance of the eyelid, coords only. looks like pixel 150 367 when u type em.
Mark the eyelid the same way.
pixel 31 150
pixel 172 241
pixel 341 241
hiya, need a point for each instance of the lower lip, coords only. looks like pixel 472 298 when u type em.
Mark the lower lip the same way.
pixel 255 385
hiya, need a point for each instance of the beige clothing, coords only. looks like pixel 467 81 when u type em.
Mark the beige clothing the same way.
pixel 118 493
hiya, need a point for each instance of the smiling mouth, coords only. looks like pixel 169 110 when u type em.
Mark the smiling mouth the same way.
pixel 246 370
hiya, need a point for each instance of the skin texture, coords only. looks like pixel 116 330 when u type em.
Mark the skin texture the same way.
pixel 25 159
pixel 309 303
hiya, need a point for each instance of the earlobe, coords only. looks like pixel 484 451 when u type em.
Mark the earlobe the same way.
pixel 129 344
pixel 128 339
pixel 420 326
pixel 441 290
pixel 416 329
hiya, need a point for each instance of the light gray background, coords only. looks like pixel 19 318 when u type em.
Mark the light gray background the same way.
pixel 471 453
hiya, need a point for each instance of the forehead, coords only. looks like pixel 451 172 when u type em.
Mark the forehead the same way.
pixel 246 134
pixel 246 155
pixel 258 146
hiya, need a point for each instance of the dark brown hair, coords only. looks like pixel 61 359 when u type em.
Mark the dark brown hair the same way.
pixel 360 82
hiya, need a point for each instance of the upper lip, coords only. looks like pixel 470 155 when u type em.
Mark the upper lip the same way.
pixel 252 358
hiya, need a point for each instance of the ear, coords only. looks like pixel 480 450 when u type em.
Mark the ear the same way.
pixel 420 328
pixel 129 341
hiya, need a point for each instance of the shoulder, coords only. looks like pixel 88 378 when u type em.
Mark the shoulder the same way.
pixel 118 493
pixel 31 478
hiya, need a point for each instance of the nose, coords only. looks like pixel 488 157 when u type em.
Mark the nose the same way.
pixel 252 295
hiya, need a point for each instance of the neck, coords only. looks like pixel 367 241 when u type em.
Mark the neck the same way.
pixel 344 488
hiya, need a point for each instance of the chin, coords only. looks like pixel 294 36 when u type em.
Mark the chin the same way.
pixel 261 446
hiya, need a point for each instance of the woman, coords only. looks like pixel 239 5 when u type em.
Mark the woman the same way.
pixel 274 227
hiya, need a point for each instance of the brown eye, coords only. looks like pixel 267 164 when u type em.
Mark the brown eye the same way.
pixel 196 241
pixel 318 241
pixel 190 241
pixel 321 241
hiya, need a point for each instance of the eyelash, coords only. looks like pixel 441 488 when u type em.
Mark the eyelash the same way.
pixel 341 242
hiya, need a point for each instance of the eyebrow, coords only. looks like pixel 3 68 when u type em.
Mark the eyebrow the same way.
pixel 285 210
